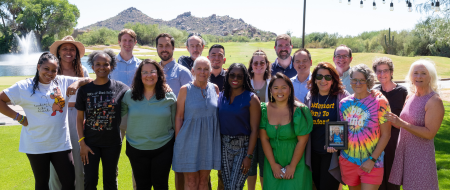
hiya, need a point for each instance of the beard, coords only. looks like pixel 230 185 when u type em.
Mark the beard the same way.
pixel 284 57
pixel 216 66
pixel 170 55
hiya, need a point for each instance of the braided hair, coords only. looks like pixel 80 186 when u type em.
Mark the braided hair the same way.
pixel 247 82
pixel 46 56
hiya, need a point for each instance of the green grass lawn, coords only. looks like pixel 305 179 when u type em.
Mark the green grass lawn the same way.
pixel 236 52
pixel 15 170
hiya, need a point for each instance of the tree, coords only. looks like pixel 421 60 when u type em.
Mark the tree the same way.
pixel 48 18
pixel 426 7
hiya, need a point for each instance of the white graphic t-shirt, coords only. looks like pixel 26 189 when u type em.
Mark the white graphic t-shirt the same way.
pixel 46 111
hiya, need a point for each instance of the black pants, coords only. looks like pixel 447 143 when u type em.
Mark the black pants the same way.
pixel 389 155
pixel 320 164
pixel 110 159
pixel 63 163
pixel 151 168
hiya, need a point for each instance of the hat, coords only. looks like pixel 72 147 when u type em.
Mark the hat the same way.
pixel 67 39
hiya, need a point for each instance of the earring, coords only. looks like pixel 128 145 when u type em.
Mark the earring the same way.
pixel 252 71
pixel 271 98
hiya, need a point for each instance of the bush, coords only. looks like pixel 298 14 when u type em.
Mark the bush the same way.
pixel 99 36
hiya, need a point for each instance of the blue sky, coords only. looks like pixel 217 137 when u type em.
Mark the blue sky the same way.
pixel 270 15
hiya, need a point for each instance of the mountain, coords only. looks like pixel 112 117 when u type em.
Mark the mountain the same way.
pixel 215 25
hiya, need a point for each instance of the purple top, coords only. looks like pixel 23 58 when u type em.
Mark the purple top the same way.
pixel 234 118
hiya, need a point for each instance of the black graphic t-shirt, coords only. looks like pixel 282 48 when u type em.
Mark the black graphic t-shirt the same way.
pixel 323 109
pixel 101 106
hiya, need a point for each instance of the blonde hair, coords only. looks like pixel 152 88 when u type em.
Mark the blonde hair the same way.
pixel 431 68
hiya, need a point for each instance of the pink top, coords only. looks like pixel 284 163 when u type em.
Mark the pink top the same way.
pixel 415 164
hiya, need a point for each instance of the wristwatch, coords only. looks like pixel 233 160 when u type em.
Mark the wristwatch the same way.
pixel 373 159
pixel 250 156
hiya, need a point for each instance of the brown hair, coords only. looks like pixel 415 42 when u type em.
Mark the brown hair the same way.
pixel 383 60
pixel 283 37
pixel 165 35
pixel 129 32
pixel 137 88
pixel 250 64
pixel 336 88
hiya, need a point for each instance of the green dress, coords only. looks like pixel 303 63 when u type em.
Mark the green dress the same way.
pixel 283 141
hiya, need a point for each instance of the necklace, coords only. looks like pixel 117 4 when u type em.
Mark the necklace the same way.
pixel 318 100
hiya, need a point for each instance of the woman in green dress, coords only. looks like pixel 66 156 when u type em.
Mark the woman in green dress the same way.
pixel 284 130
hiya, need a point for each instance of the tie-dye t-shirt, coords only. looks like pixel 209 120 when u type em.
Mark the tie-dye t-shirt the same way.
pixel 364 119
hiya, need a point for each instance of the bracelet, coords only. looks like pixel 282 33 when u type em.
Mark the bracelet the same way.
pixel 373 159
pixel 17 115
pixel 21 120
pixel 81 139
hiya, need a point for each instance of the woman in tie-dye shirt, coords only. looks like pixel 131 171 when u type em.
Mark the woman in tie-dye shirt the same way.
pixel 368 132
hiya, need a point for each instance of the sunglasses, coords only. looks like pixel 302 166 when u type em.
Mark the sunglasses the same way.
pixel 235 76
pixel 320 77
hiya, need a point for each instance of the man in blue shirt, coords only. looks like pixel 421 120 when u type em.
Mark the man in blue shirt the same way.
pixel 126 62
pixel 283 47
pixel 195 45
pixel 302 64
pixel 176 74
pixel 342 58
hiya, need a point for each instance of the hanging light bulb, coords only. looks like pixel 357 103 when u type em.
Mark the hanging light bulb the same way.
pixel 437 8
pixel 409 7
pixel 374 5
pixel 361 4
pixel 349 2
pixel 432 5
pixel 392 6
pixel 407 3
pixel 384 1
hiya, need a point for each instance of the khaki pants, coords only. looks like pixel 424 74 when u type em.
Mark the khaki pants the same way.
pixel 123 129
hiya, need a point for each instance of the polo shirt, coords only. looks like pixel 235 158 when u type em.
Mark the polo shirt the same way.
pixel 219 80
pixel 289 71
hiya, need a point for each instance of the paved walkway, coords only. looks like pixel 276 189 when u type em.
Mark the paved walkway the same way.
pixel 4 120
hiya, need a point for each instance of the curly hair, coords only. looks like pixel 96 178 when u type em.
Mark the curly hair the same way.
pixel 291 99
pixel 108 53
pixel 250 64
pixel 137 87
pixel 247 82
pixel 383 60
pixel 336 88
pixel 46 56
pixel 369 75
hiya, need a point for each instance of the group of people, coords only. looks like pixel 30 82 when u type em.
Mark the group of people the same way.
pixel 194 116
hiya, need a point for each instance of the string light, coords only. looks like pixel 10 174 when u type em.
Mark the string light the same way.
pixel 374 5
pixel 392 6
pixel 361 4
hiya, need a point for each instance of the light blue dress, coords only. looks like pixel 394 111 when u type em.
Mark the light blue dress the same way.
pixel 197 146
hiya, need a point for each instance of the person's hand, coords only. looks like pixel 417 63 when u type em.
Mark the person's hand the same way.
pixel 330 149
pixel 290 170
pixel 72 89
pixel 376 93
pixel 367 166
pixel 25 121
pixel 394 119
pixel 84 151
pixel 276 170
pixel 246 164
pixel 168 89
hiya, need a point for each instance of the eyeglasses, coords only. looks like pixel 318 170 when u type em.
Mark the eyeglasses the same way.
pixel 320 77
pixel 152 72
pixel 235 76
pixel 380 72
pixel 342 56
pixel 355 81
pixel 261 63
